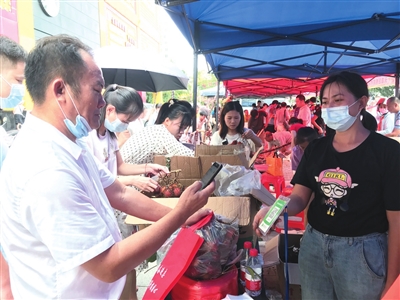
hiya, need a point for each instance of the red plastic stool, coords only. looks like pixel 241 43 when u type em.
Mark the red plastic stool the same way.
pixel 278 182
pixel 287 191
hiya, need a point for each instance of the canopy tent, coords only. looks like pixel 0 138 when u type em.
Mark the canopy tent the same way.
pixel 243 39
pixel 264 87
pixel 290 39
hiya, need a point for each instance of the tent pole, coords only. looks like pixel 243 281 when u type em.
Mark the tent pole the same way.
pixel 195 62
pixel 216 106
pixel 396 82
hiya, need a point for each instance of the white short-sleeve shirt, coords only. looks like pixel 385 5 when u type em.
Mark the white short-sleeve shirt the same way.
pixel 105 148
pixel 55 216
pixel 216 139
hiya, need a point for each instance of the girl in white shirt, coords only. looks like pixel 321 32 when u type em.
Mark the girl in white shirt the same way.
pixel 123 105
pixel 232 129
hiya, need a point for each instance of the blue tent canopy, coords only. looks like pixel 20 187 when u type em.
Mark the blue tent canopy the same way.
pixel 212 92
pixel 291 39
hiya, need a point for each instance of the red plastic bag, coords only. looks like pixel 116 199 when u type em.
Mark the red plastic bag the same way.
pixel 216 253
pixel 171 269
pixel 218 288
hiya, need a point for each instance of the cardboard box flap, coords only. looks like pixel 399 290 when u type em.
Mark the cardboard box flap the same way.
pixel 217 150
pixel 233 160
pixel 190 166
pixel 230 207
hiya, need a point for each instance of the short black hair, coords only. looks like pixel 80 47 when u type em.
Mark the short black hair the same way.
pixel 305 134
pixel 301 97
pixel 10 52
pixel 55 56
pixel 174 109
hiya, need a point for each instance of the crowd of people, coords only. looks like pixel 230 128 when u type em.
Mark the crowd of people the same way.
pixel 64 205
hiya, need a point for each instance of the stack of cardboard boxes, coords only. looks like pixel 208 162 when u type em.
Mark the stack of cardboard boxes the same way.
pixel 242 208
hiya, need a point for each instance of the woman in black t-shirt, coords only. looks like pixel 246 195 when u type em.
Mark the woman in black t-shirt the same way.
pixel 351 246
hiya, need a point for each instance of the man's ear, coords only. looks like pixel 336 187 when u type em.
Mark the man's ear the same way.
pixel 58 89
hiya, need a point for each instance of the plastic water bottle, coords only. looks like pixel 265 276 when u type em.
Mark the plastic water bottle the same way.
pixel 253 283
pixel 246 246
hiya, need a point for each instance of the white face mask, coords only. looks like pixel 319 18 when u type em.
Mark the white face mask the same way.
pixel 382 110
pixel 338 118
pixel 115 126
pixel 17 93
pixel 81 128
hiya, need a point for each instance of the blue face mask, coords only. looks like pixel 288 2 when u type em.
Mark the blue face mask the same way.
pixel 115 126
pixel 16 94
pixel 81 127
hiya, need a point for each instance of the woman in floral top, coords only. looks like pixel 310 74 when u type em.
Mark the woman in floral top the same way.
pixel 163 137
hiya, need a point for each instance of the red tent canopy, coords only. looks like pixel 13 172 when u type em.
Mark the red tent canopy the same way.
pixel 264 87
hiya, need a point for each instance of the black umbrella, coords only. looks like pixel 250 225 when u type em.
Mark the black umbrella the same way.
pixel 144 72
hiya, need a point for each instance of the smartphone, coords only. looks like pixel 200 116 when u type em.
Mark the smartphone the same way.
pixel 210 175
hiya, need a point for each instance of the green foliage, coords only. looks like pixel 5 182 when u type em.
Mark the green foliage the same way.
pixel 385 91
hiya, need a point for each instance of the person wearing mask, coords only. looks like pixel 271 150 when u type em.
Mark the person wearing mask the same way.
pixel 355 177
pixel 59 233
pixel 12 65
pixel 385 118
pixel 304 111
pixel 393 105
pixel 232 129
pixel 174 118
pixel 123 105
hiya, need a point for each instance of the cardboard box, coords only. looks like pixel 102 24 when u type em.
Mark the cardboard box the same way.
pixel 190 166
pixel 274 267
pixel 196 167
pixel 241 208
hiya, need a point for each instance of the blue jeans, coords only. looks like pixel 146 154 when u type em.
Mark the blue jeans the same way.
pixel 333 267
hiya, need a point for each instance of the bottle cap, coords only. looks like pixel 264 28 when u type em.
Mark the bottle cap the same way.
pixel 247 245
pixel 253 252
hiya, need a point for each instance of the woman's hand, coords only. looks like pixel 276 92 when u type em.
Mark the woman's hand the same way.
pixel 142 183
pixel 248 134
pixel 156 168
pixel 258 218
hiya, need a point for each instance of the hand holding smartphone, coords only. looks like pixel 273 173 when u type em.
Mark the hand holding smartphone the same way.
pixel 210 175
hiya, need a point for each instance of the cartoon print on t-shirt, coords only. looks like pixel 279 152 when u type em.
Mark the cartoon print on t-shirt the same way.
pixel 335 185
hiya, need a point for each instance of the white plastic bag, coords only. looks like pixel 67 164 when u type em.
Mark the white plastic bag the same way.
pixel 236 181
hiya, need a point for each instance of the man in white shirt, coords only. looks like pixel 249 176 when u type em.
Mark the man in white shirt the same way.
pixel 59 232
pixel 384 118
pixel 393 105
pixel 304 110
pixel 12 65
